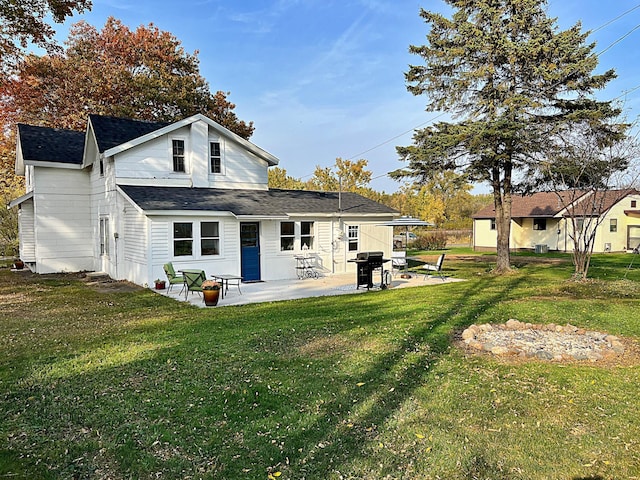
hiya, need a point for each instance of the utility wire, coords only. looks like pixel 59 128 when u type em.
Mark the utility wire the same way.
pixel 609 47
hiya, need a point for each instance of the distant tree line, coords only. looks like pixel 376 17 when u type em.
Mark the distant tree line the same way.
pixel 445 200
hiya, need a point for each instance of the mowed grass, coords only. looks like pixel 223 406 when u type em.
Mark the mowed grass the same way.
pixel 371 386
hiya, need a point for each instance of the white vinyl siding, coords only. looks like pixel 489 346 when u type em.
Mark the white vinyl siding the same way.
pixel 135 236
pixel 27 232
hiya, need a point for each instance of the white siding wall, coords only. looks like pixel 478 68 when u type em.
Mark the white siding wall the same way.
pixel 152 164
pixel 329 253
pixel 26 230
pixel 161 247
pixel 62 220
pixel 134 241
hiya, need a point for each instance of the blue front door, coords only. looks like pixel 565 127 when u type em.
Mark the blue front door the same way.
pixel 250 251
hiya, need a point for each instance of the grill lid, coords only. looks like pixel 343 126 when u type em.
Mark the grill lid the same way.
pixel 369 256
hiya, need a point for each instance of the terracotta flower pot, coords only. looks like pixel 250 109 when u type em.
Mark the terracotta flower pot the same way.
pixel 211 297
pixel 18 264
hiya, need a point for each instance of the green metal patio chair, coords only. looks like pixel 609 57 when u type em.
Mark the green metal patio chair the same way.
pixel 172 277
pixel 193 281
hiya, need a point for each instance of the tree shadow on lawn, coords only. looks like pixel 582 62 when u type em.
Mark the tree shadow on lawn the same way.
pixel 325 444
pixel 384 391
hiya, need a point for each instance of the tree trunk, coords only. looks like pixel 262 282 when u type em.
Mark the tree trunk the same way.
pixel 502 203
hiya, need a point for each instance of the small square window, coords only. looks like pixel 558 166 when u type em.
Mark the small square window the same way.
pixel 633 203
pixel 539 223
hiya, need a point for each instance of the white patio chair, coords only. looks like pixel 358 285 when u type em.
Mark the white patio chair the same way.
pixel 434 267
pixel 398 262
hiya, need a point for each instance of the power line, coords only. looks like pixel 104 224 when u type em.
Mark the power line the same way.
pixel 609 47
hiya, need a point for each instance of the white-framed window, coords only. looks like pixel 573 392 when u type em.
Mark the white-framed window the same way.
pixel 297 236
pixel 209 238
pixel 178 155
pixel 215 157
pixel 307 235
pixel 492 225
pixel 613 225
pixel 182 239
pixel 287 236
pixel 104 236
pixel 353 236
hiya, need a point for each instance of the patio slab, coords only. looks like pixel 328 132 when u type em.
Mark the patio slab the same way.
pixel 276 290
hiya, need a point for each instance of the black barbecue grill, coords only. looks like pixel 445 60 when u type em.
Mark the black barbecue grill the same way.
pixel 367 262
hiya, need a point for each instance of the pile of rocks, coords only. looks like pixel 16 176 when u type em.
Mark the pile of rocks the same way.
pixel 545 342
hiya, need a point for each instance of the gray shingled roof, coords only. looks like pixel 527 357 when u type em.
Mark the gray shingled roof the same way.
pixel 51 144
pixel 250 202
pixel 111 131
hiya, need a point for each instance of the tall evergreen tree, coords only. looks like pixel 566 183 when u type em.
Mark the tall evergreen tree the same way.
pixel 512 80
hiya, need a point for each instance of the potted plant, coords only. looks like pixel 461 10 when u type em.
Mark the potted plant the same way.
pixel 160 284
pixel 210 292
pixel 18 264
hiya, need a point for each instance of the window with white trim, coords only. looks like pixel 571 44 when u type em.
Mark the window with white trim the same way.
pixel 182 239
pixel 215 157
pixel 306 235
pixel 287 236
pixel 178 155
pixel 210 238
pixel 613 225
pixel 104 236
pixel 353 238
pixel 492 225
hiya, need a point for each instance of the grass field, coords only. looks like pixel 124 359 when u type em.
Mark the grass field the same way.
pixel 111 385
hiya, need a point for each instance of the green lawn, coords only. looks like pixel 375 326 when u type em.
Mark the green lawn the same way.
pixel 371 386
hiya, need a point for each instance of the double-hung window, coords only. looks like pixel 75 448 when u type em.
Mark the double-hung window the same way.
pixel 297 236
pixel 352 238
pixel 210 238
pixel 287 236
pixel 104 236
pixel 215 157
pixel 182 239
pixel 613 225
pixel 177 147
pixel 306 235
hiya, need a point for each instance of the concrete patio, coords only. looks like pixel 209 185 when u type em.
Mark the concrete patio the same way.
pixel 275 290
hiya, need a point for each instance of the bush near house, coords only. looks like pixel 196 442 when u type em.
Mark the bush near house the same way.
pixel 431 241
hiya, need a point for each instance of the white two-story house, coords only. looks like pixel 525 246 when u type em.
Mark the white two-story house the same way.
pixel 125 197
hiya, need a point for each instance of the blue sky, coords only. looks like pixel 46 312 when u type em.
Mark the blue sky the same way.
pixel 323 79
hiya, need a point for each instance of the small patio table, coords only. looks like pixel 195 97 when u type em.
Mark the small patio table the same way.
pixel 224 280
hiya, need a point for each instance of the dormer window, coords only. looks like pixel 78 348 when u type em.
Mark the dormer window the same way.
pixel 178 155
pixel 216 157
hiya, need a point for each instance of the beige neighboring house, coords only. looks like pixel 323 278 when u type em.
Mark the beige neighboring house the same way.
pixel 541 222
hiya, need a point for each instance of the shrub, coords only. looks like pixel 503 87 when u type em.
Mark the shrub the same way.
pixel 431 241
